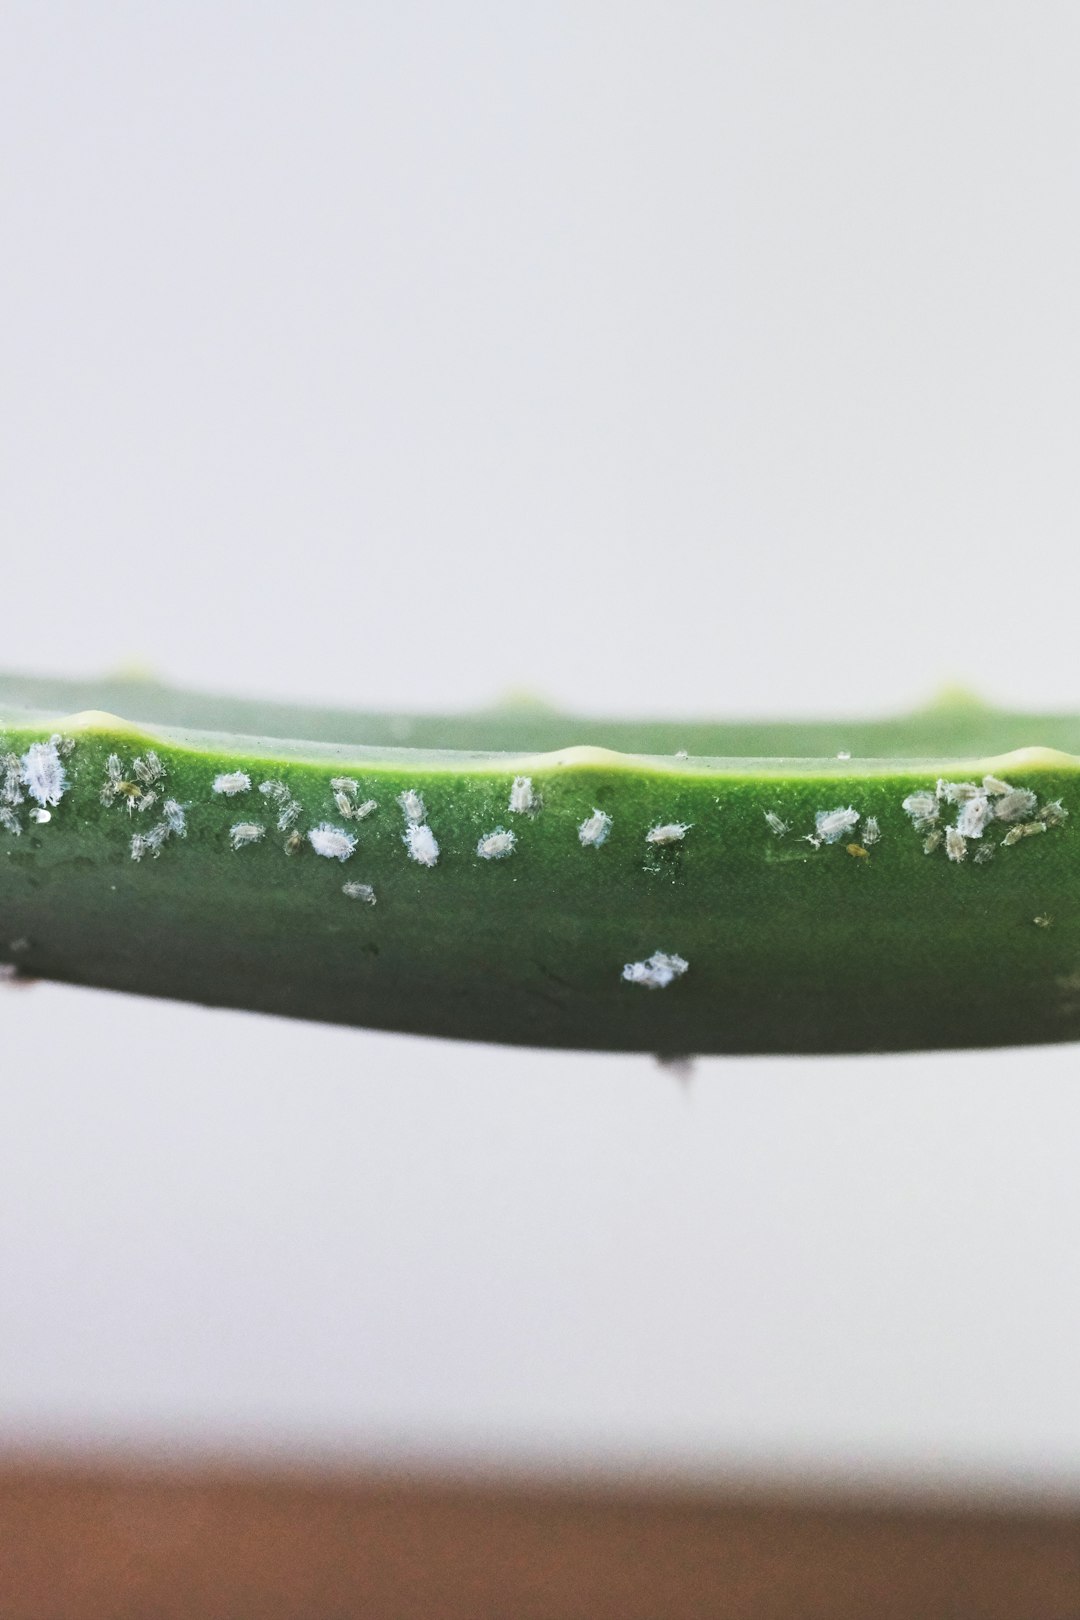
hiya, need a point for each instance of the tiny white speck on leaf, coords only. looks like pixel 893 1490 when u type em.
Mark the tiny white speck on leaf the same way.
pixel 831 825
pixel 246 832
pixel 495 845
pixel 682 754
pixel 412 807
pixel 844 753
pixel 775 824
pixel 974 815
pixel 871 831
pixel 671 832
pixel 43 772
pixel 420 841
pixel 1016 805
pixel 955 844
pixel 923 809
pixel 41 817
pixel 594 829
pixel 657 972
pixel 1042 922
pixel 333 842
pixel 522 797
pixel 359 891
pixel 231 782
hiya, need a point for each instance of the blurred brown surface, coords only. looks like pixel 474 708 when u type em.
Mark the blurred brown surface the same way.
pixel 80 1544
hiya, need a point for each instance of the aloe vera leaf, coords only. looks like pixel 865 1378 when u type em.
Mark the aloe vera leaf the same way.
pixel 758 917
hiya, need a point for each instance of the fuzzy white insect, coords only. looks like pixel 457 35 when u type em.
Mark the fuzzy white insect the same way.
pixel 364 809
pixel 1016 805
pixel 175 819
pixel 775 824
pixel 956 792
pixel 149 769
pixel 923 809
pixel 412 807
pixel 420 842
pixel 871 831
pixel 41 816
pixel 288 808
pixel 10 821
pixel 359 891
pixel 844 753
pixel 955 844
pixel 995 786
pixel 232 782
pixel 984 853
pixel 670 832
pixel 246 832
pixel 43 773
pixel 932 841
pixel 333 842
pixel 1013 836
pixel 12 791
pixel 974 815
pixel 657 972
pixel 1053 814
pixel 495 845
pixel 594 829
pixel 344 784
pixel 831 825
pixel 522 797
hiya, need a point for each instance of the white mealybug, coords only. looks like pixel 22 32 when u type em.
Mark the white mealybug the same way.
pixel 10 821
pixel 844 753
pixel 923 809
pixel 41 816
pixel 12 791
pixel 984 853
pixel 932 841
pixel 995 786
pixel 43 774
pixel 333 842
pixel 497 844
pixel 831 825
pixel 522 797
pixel 288 808
pixel 956 792
pixel 344 784
pixel 412 806
pixel 230 782
pixel 594 829
pixel 364 809
pixel 1053 814
pixel 670 832
pixel 1016 805
pixel 657 972
pixel 245 832
pixel 175 819
pixel 359 891
pixel 149 769
pixel 775 824
pixel 871 831
pixel 955 845
pixel 419 840
pixel 974 815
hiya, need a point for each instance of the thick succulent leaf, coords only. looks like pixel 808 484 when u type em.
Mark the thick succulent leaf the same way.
pixel 524 877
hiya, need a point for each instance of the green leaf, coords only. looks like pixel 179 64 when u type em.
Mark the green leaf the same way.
pixel 524 877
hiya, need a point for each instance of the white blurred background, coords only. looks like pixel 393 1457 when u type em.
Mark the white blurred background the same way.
pixel 717 358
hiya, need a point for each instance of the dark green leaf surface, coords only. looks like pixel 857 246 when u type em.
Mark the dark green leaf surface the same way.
pixel 792 943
